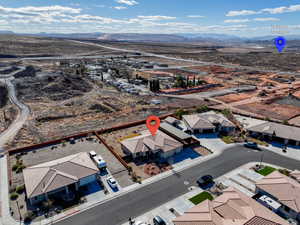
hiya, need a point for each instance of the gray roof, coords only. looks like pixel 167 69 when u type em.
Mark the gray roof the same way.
pixel 171 120
pixel 55 174
pixel 196 122
pixel 207 120
pixel 175 131
pixel 146 142
pixel 277 129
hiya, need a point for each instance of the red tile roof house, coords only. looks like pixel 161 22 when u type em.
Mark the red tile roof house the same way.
pixel 284 190
pixel 58 176
pixel 231 208
pixel 161 145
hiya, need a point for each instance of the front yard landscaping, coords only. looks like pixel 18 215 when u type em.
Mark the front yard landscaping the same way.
pixel 266 170
pixel 201 197
pixel 227 139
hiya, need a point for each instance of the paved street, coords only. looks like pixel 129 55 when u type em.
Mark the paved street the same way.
pixel 133 204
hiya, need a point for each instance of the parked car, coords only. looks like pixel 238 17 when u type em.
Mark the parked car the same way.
pixel 157 220
pixel 101 164
pixel 252 145
pixel 112 182
pixel 92 154
pixel 204 180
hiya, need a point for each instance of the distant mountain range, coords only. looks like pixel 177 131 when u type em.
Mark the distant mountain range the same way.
pixel 179 37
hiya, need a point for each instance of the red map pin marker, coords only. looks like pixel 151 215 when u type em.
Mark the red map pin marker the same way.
pixel 153 123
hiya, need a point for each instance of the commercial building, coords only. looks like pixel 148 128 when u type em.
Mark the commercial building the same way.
pixel 231 208
pixel 59 177
pixel 161 145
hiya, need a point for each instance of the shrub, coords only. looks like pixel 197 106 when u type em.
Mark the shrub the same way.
pixel 202 109
pixel 14 196
pixel 15 167
pixel 28 217
pixel 20 168
pixel 285 172
pixel 20 189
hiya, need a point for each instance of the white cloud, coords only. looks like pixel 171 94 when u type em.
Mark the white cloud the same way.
pixel 156 18
pixel 120 7
pixel 241 13
pixel 283 9
pixel 127 2
pixel 237 21
pixel 266 19
pixel 278 10
pixel 195 16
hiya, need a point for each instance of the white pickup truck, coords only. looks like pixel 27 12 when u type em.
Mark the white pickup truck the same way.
pixel 100 162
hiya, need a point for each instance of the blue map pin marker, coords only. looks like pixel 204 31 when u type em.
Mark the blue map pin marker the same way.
pixel 280 43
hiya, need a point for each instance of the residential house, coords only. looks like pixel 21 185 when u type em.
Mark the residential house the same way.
pixel 284 190
pixel 172 121
pixel 208 122
pixel 231 208
pixel 276 132
pixel 296 175
pixel 161 145
pixel 184 138
pixel 59 177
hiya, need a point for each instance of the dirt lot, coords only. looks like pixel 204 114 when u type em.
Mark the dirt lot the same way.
pixel 276 111
pixel 236 97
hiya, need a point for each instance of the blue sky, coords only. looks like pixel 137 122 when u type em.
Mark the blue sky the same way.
pixel 236 17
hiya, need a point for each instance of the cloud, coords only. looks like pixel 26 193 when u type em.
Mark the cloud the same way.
pixel 156 18
pixel 266 19
pixel 283 9
pixel 241 13
pixel 195 16
pixel 278 10
pixel 237 21
pixel 120 7
pixel 127 2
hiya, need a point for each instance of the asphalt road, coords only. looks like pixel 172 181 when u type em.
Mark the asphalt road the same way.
pixel 133 204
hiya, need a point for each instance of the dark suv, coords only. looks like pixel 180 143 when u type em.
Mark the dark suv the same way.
pixel 205 180
pixel 157 220
pixel 252 145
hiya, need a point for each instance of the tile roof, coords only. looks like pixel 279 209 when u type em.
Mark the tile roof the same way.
pixel 147 142
pixel 196 122
pixel 49 176
pixel 296 174
pixel 284 188
pixel 277 129
pixel 207 120
pixel 231 208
